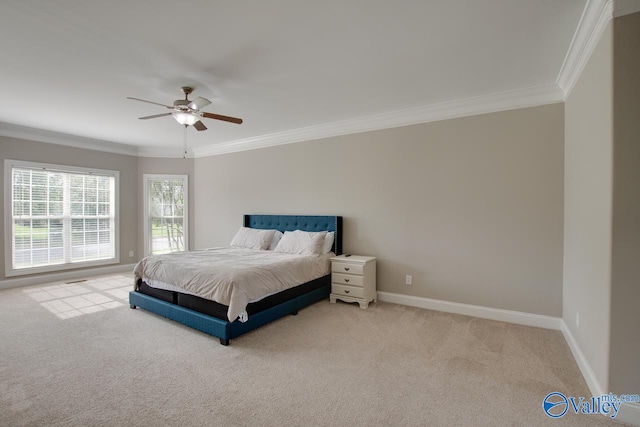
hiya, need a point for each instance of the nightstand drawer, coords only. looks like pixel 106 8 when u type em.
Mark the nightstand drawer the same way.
pixel 347 279
pixel 347 290
pixel 343 267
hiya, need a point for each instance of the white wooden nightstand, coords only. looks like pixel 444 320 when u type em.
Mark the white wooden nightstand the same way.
pixel 353 279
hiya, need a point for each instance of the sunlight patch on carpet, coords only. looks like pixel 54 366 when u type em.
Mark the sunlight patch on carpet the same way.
pixel 68 300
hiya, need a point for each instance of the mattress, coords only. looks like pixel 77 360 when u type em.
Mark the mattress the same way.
pixel 219 311
pixel 233 277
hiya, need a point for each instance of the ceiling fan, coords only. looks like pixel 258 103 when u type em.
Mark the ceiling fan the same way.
pixel 187 112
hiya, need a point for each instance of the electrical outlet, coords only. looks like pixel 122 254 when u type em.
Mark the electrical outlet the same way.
pixel 577 320
pixel 408 279
pixel 130 254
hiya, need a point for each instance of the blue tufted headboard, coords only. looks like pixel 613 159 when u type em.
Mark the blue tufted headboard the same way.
pixel 299 222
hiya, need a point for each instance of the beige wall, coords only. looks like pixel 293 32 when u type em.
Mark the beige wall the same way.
pixel 156 165
pixel 471 207
pixel 625 284
pixel 588 207
pixel 18 149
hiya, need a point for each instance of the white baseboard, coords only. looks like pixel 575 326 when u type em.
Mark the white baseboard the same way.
pixel 517 317
pixel 594 385
pixel 629 413
pixel 66 275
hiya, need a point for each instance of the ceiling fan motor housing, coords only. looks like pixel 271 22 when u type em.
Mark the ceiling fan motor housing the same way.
pixel 181 104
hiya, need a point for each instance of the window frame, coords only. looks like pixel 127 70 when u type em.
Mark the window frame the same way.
pixel 147 207
pixel 9 165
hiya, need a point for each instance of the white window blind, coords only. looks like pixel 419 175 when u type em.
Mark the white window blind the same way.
pixel 61 217
pixel 166 219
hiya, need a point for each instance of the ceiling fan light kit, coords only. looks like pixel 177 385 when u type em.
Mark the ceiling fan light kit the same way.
pixel 187 119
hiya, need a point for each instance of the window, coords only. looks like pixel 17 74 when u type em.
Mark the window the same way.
pixel 165 221
pixel 59 217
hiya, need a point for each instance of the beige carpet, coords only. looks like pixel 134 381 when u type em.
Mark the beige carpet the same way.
pixel 77 355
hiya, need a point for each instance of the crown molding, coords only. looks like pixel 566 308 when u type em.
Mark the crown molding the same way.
pixel 626 11
pixel 521 98
pixel 595 17
pixel 509 100
pixel 40 135
pixel 625 7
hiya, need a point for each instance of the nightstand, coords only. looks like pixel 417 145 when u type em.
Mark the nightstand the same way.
pixel 353 279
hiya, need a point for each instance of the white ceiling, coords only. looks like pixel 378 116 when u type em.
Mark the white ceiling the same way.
pixel 68 65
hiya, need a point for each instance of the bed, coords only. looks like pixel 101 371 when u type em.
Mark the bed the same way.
pixel 212 317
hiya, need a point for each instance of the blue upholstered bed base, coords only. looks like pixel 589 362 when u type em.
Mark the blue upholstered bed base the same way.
pixel 221 328
pixel 227 330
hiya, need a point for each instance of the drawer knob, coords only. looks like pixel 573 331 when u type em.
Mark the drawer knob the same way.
pixel 346 291
pixel 346 280
pixel 346 269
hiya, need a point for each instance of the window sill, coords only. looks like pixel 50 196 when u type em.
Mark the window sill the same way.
pixel 10 272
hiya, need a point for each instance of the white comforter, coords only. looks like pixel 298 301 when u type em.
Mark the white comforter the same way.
pixel 231 276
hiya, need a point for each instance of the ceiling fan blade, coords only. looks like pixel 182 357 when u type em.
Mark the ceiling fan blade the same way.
pixel 154 116
pixel 198 103
pixel 223 118
pixel 149 102
pixel 199 125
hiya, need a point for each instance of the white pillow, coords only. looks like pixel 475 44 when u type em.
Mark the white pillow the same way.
pixel 328 242
pixel 301 242
pixel 277 235
pixel 252 238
